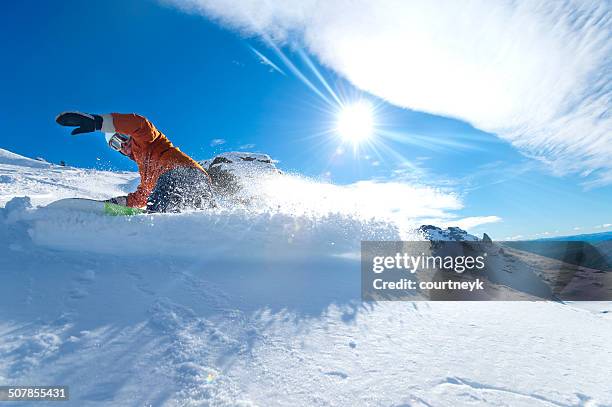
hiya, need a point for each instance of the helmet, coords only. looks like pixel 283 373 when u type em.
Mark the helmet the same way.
pixel 116 141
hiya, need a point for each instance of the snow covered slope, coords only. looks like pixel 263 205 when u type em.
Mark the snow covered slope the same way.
pixel 258 303
pixel 45 183
pixel 9 158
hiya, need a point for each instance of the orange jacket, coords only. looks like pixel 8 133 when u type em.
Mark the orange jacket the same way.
pixel 153 153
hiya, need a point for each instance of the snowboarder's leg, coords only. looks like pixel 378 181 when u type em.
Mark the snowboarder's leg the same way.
pixel 195 189
pixel 181 188
pixel 165 195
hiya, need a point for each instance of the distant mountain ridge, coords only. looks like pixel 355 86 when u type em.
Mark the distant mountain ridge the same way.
pixel 588 237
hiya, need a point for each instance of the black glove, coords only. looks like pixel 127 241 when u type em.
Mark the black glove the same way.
pixel 119 200
pixel 85 122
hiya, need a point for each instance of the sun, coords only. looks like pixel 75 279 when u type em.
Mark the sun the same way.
pixel 355 122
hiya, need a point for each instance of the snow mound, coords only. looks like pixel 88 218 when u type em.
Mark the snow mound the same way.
pixel 241 162
pixel 230 234
pixel 232 172
pixel 9 158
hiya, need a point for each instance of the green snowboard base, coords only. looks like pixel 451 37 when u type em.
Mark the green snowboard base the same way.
pixel 120 210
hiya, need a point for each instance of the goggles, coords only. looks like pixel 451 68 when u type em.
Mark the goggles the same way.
pixel 117 141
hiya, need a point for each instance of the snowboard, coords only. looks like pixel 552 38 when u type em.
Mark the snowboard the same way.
pixel 94 206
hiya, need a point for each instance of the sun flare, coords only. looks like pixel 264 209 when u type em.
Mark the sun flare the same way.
pixel 355 122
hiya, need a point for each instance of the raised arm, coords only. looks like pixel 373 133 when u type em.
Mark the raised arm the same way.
pixel 136 126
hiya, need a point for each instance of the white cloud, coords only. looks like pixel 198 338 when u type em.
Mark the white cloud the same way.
pixel 216 142
pixel 535 72
pixel 247 146
pixel 473 221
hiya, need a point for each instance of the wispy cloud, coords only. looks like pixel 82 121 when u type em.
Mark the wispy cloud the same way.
pixel 266 61
pixel 604 226
pixel 247 146
pixel 473 221
pixel 497 172
pixel 217 142
pixel 535 72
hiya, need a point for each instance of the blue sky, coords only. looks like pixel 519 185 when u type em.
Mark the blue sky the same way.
pixel 199 81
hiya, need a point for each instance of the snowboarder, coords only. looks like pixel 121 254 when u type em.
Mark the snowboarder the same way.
pixel 170 180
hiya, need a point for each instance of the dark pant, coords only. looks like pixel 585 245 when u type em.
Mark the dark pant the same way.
pixel 181 188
